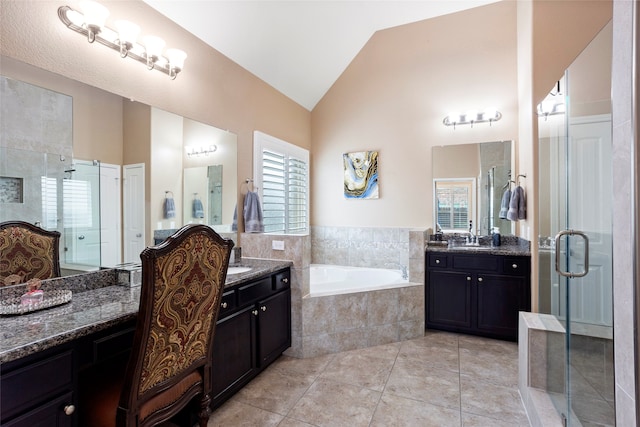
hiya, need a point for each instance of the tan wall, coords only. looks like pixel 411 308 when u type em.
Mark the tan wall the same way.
pixel 393 98
pixel 456 161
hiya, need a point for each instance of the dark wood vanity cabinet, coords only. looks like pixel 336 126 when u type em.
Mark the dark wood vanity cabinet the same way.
pixel 253 329
pixel 478 294
pixel 38 390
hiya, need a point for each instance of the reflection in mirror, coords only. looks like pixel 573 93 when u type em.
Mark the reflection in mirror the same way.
pixel 209 180
pixel 469 182
pixel 41 182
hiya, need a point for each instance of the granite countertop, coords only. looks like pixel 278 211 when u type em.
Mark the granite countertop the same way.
pixel 92 309
pixel 520 249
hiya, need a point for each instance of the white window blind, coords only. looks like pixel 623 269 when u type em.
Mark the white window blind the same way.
pixel 454 204
pixel 77 203
pixel 281 173
pixel 49 203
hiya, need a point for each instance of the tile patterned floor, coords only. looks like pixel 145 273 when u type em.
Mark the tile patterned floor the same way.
pixel 442 379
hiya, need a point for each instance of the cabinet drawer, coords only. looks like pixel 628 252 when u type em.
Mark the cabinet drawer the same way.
pixel 437 260
pixel 254 291
pixel 50 414
pixel 282 280
pixel 113 344
pixel 515 266
pixel 228 303
pixel 35 383
pixel 476 262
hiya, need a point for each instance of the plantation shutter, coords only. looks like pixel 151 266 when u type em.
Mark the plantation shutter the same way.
pixel 283 174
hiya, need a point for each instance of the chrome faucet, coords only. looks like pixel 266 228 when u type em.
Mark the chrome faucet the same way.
pixel 403 269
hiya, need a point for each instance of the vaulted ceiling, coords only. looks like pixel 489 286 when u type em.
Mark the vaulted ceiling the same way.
pixel 300 47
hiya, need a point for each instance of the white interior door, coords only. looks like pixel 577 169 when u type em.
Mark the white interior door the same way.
pixel 110 215
pixel 590 184
pixel 133 203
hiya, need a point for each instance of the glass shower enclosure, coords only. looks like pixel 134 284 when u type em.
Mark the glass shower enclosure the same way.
pixel 575 245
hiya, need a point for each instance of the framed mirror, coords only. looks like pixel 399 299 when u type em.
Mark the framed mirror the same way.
pixel 469 182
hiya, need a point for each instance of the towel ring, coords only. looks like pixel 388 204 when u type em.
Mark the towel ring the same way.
pixel 166 194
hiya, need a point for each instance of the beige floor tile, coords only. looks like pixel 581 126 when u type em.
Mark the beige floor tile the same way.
pixel 434 355
pixel 396 411
pixel 329 403
pixel 491 400
pixel 311 365
pixel 385 351
pixel 237 414
pixel 359 370
pixel 437 387
pixel 275 391
pixel 481 344
pixel 498 368
pixel 290 422
pixel 439 338
pixel 473 420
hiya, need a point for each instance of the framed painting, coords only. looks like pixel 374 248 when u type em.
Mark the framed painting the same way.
pixel 361 175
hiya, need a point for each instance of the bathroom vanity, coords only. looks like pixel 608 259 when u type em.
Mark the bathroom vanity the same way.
pixel 43 354
pixel 477 290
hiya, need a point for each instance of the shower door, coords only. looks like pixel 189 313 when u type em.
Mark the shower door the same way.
pixel 576 160
pixel 81 216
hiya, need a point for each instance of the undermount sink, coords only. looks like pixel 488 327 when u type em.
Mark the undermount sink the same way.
pixel 238 270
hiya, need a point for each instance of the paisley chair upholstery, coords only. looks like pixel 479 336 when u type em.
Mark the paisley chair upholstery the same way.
pixel 169 368
pixel 28 251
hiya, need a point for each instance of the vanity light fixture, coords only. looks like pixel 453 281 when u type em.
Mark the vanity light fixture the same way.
pixel 553 104
pixel 202 151
pixel 472 117
pixel 90 22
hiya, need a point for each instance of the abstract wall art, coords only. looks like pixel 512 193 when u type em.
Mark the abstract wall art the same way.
pixel 361 175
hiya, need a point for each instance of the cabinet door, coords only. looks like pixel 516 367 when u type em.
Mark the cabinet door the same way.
pixel 449 300
pixel 49 414
pixel 274 326
pixel 499 300
pixel 233 353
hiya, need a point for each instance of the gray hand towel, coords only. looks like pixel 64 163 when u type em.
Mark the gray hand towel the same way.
pixel 517 205
pixel 169 208
pixel 198 209
pixel 252 213
pixel 504 205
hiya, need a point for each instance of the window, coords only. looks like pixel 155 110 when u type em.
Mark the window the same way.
pixel 281 173
pixel 454 207
pixel 77 210
pixel 49 203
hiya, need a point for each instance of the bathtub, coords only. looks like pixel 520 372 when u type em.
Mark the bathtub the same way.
pixel 328 279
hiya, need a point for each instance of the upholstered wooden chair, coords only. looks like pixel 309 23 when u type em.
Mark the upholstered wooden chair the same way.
pixel 28 251
pixel 169 368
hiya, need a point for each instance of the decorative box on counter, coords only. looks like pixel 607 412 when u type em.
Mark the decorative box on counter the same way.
pixel 129 274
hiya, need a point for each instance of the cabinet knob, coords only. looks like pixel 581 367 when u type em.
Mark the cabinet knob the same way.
pixel 285 280
pixel 69 409
pixel 263 308
pixel 479 279
pixel 514 265
pixel 437 261
pixel 255 312
pixel 224 305
pixel 468 278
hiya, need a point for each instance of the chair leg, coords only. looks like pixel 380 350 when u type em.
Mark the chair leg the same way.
pixel 205 410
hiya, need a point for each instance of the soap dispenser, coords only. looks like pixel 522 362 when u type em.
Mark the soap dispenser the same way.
pixel 495 237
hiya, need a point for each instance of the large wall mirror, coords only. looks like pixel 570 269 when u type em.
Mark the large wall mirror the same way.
pixel 41 181
pixel 469 183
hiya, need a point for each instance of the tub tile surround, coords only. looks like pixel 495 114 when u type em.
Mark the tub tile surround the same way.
pixel 335 323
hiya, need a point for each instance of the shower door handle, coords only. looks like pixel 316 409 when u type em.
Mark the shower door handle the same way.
pixel 570 274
